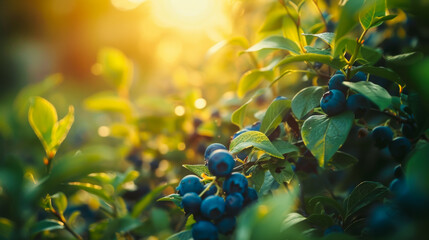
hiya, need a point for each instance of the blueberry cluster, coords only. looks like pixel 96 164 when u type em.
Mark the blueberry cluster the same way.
pixel 216 204
pixel 334 101
pixel 399 147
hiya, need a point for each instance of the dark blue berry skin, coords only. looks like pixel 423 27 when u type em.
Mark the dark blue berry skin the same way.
pixel 191 203
pixel 338 72
pixel 381 221
pixel 226 225
pixel 333 102
pixel 409 130
pixel 211 148
pixel 190 183
pixel 336 82
pixel 234 203
pixel 254 127
pixel 398 172
pixel 251 196
pixel 399 148
pixel 213 207
pixel 358 104
pixel 333 229
pixel 220 163
pixel 212 190
pixel 236 182
pixel 204 230
pixel 382 136
pixel 239 133
pixel 280 98
pixel 397 186
pixel 358 77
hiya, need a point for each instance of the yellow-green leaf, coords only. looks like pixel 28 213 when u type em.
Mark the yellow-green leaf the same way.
pixel 62 128
pixel 42 117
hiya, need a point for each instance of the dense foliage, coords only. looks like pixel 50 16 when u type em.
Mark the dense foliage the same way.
pixel 325 137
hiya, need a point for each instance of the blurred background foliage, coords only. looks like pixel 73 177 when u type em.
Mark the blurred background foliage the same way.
pixel 152 84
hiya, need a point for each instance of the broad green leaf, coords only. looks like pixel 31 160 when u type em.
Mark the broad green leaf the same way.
pixel 149 198
pixel 383 72
pixel 321 220
pixel 325 202
pixel 91 188
pixel 348 18
pixel 73 217
pixel 62 128
pixel 274 115
pixel 251 79
pixel 404 59
pixel 371 10
pixel 306 100
pixel 377 94
pixel 183 235
pixel 285 147
pixel 115 67
pixel 275 42
pixel 324 135
pixel 273 22
pixel 258 176
pixel 364 194
pixel 268 184
pixel 60 201
pixel 254 139
pixel 198 169
pixel 313 57
pixel 108 102
pixel 416 174
pixel 175 198
pixel 327 37
pixel 238 115
pixel 236 41
pixel 42 117
pixel 310 49
pixel 46 225
pixel 379 20
pixel 292 219
pixel 341 161
pixel 366 55
pixel 282 172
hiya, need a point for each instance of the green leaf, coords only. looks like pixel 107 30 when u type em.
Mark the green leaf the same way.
pixel 183 235
pixel 327 37
pixel 258 176
pixel 273 22
pixel 275 42
pixel 377 94
pixel 417 178
pixel 292 219
pixel 282 172
pixel 120 225
pixel 238 115
pixel 268 184
pixel 312 57
pixel 366 55
pixel 324 135
pixel 404 59
pixel 60 201
pixel 364 194
pixel 326 202
pixel 383 72
pixel 254 139
pixel 115 67
pixel 141 205
pixel 73 217
pixel 46 225
pixel 251 79
pixel 285 147
pixel 379 20
pixel 235 41
pixel 108 102
pixel 348 18
pixel 341 161
pixel 91 188
pixel 274 115
pixel 371 10
pixel 310 49
pixel 62 128
pixel 42 117
pixel 198 169
pixel 321 220
pixel 175 198
pixel 306 100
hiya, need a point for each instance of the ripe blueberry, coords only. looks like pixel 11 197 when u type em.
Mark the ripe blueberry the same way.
pixel 398 172
pixel 221 163
pixel 213 207
pixel 226 225
pixel 382 136
pixel 238 133
pixel 212 190
pixel 191 203
pixel 211 148
pixel 204 230
pixel 399 148
pixel 254 127
pixel 233 203
pixel 251 196
pixel 358 77
pixel 333 229
pixel 236 182
pixel 333 102
pixel 190 183
pixel 358 104
pixel 336 82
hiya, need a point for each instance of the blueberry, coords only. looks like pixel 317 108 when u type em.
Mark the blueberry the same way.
pixel 226 225
pixel 154 164
pixel 333 229
pixel 221 163
pixel 397 186
pixel 233 203
pixel 382 221
pixel 410 130
pixel 213 207
pixel 338 72
pixel 382 136
pixel 236 182
pixel 358 104
pixel 333 102
pixel 358 77
pixel 204 230
pixel 239 133
pixel 398 172
pixel 399 148
pixel 211 148
pixel 190 183
pixel 191 203
pixel 251 196
pixel 336 82
pixel 254 127
pixel 212 190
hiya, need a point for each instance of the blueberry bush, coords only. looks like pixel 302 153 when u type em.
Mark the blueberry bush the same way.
pixel 325 136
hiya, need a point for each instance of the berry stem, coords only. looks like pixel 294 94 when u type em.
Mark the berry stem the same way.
pixel 208 187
